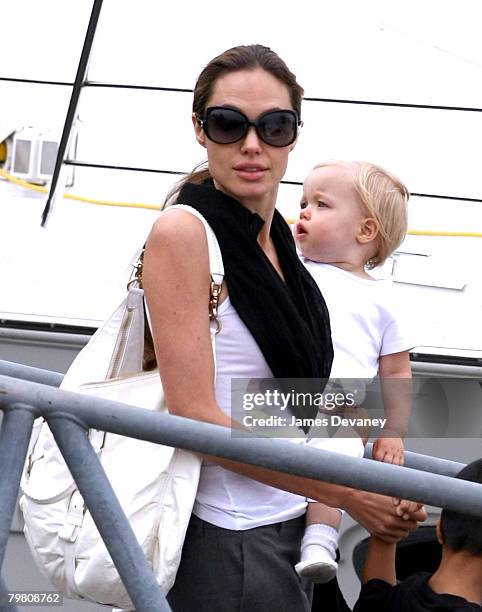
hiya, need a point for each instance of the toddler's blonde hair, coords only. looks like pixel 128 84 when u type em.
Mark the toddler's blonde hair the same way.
pixel 383 198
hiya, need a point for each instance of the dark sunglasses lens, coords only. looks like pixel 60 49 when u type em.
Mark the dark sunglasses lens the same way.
pixel 224 125
pixel 278 128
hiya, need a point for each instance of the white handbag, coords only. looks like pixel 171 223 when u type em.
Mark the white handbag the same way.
pixel 156 485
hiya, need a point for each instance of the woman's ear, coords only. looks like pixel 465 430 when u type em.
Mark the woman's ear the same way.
pixel 198 130
pixel 368 231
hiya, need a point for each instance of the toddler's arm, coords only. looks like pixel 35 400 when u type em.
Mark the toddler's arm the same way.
pixel 396 382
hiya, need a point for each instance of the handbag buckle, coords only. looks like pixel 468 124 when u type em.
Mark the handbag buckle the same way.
pixel 137 269
pixel 213 304
pixel 69 530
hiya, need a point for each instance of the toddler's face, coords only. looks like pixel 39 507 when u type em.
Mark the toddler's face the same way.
pixel 330 215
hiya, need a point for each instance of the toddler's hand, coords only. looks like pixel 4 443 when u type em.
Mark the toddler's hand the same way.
pixel 388 450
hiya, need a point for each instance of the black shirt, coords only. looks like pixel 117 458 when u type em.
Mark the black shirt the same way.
pixel 411 595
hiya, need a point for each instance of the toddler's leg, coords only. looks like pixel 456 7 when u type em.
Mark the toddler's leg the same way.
pixel 319 543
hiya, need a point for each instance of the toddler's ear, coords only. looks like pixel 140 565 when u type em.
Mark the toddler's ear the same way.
pixel 368 231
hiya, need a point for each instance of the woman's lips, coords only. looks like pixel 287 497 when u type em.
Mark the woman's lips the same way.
pixel 249 172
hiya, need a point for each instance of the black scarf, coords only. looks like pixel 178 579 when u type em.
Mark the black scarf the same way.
pixel 289 320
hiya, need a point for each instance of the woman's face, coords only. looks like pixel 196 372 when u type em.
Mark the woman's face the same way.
pixel 249 169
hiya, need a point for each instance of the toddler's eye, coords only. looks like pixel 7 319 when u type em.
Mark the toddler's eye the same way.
pixel 303 205
pixel 321 204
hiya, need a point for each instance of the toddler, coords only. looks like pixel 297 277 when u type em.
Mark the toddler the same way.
pixel 353 216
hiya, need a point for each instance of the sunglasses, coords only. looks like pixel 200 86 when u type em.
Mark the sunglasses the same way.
pixel 278 128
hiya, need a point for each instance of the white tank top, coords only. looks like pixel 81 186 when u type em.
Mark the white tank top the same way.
pixel 224 498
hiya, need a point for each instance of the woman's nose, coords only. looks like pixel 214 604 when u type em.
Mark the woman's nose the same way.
pixel 251 142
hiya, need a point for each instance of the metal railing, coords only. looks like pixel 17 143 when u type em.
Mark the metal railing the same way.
pixel 69 415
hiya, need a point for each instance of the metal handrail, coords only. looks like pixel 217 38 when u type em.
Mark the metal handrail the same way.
pixel 417 461
pixel 278 455
pixel 425 463
pixel 25 372
pixel 70 414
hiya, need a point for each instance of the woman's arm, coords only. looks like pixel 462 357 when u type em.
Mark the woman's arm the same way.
pixel 176 282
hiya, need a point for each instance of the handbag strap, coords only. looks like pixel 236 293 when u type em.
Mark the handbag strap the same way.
pixel 216 266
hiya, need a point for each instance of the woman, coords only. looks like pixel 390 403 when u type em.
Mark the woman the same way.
pixel 247 522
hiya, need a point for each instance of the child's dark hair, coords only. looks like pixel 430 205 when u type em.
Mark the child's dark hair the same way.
pixel 461 531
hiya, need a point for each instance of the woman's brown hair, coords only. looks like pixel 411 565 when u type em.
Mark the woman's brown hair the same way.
pixel 243 57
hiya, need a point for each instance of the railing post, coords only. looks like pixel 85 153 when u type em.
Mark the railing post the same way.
pixel 5 606
pixel 95 488
pixel 14 439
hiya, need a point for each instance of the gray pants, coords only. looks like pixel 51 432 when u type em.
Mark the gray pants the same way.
pixel 241 571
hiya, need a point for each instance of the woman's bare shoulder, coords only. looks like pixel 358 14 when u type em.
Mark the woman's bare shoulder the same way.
pixel 177 229
pixel 176 248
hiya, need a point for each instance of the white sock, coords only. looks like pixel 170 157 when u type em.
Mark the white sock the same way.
pixel 318 542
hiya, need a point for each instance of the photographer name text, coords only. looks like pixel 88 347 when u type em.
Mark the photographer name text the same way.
pixel 332 420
